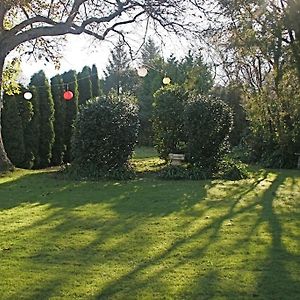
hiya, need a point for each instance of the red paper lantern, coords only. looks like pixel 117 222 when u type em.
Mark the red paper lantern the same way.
pixel 68 95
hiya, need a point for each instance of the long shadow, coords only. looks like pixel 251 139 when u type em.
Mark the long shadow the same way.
pixel 66 194
pixel 136 204
pixel 276 276
pixel 211 229
pixel 133 202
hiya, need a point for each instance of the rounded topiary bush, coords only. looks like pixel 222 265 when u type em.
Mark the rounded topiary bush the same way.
pixel 207 124
pixel 104 137
pixel 168 125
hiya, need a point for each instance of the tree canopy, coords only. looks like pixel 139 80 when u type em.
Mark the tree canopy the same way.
pixel 35 23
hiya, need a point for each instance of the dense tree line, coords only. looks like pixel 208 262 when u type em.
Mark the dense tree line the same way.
pixel 52 118
pixel 37 132
pixel 265 113
pixel 257 44
pixel 259 49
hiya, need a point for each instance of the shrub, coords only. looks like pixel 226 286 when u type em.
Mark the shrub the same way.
pixel 232 169
pixel 184 172
pixel 274 113
pixel 207 124
pixel 104 138
pixel 168 125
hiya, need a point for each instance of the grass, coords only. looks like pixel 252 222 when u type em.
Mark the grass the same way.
pixel 146 161
pixel 148 238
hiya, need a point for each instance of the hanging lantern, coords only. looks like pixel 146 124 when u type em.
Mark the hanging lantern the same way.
pixel 27 95
pixel 142 72
pixel 166 80
pixel 68 95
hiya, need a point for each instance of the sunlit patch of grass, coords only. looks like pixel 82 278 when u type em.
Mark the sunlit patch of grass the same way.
pixel 146 161
pixel 150 239
pixel 145 152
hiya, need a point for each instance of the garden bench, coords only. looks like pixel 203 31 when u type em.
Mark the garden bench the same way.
pixel 176 159
pixel 298 165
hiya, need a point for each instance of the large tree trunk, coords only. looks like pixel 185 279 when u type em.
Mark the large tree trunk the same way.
pixel 5 163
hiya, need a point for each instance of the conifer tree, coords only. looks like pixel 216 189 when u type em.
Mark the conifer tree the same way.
pixel 33 131
pixel 12 131
pixel 150 52
pixel 84 85
pixel 95 82
pixel 70 82
pixel 152 61
pixel 26 112
pixel 46 116
pixel 57 90
pixel 119 75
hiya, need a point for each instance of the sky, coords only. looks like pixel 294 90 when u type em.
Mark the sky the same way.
pixel 78 52
pixel 82 50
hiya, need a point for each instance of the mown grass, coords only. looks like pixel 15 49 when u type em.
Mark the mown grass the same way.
pixel 148 238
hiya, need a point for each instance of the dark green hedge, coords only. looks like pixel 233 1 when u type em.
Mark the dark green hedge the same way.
pixel 105 135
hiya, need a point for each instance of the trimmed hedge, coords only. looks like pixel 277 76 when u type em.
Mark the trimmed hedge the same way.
pixel 104 139
pixel 207 123
pixel 168 120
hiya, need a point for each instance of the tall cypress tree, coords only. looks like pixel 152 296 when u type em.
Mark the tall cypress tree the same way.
pixel 148 86
pixel 57 90
pixel 32 131
pixel 46 110
pixel 70 81
pixel 12 131
pixel 26 113
pixel 119 75
pixel 84 85
pixel 95 82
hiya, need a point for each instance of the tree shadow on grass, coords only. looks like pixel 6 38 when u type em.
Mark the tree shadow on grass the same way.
pixel 120 238
pixel 55 239
pixel 208 234
pixel 274 267
pixel 277 276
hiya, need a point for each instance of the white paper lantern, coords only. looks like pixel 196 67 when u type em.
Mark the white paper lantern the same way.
pixel 27 95
pixel 166 80
pixel 142 72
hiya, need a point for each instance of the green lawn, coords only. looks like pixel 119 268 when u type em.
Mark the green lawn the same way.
pixel 148 238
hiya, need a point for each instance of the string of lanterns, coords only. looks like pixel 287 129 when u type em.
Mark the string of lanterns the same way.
pixel 68 95
pixel 142 72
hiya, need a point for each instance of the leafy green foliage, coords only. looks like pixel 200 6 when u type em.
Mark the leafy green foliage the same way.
pixel 57 90
pixel 196 126
pixel 184 172
pixel 105 136
pixel 207 123
pixel 197 74
pixel 228 169
pixel 119 75
pixel 232 169
pixel 70 81
pixel 26 112
pixel 12 131
pixel 32 134
pixel 168 122
pixel 274 122
pixel 46 116
pixel 96 91
pixel 232 95
pixel 84 85
pixel 190 72
pixel 148 85
pixel 10 77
